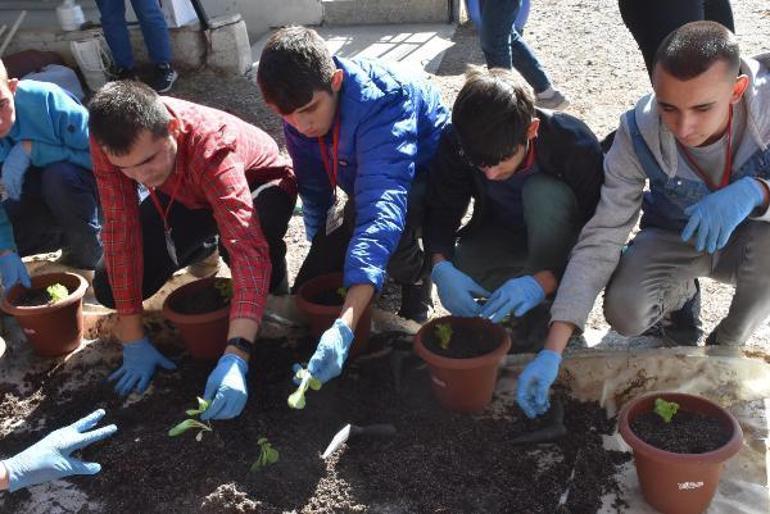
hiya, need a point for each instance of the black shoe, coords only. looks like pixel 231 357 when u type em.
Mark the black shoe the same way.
pixel 164 78
pixel 528 333
pixel 683 327
pixel 416 301
pixel 125 74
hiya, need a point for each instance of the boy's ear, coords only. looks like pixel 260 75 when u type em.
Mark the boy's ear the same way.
pixel 174 127
pixel 534 126
pixel 740 86
pixel 12 85
pixel 337 77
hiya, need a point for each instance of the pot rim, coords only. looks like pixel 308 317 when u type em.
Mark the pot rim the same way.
pixel 49 278
pixel 304 303
pixel 721 454
pixel 473 362
pixel 177 317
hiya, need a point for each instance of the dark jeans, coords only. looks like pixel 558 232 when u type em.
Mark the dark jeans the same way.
pixel 650 21
pixel 152 22
pixel 58 208
pixel 407 265
pixel 195 237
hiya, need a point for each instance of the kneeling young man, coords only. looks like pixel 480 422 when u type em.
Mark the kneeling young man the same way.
pixel 364 130
pixel 208 173
pixel 702 143
pixel 534 176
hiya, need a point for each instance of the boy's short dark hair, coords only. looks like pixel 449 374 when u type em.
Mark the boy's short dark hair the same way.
pixel 294 64
pixel 121 110
pixel 491 115
pixel 693 48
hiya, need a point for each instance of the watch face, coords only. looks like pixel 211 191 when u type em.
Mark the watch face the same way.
pixel 242 344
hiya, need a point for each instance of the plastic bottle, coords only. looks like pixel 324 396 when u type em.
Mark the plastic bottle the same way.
pixel 70 15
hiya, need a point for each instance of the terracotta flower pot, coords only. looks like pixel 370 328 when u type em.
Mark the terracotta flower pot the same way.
pixel 54 329
pixel 204 335
pixel 321 317
pixel 680 483
pixel 464 385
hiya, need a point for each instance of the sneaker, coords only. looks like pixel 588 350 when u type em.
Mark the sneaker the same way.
pixel 682 327
pixel 416 301
pixel 125 74
pixel 164 78
pixel 552 99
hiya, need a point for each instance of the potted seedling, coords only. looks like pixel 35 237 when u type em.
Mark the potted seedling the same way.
pixel 267 455
pixel 463 355
pixel 680 443
pixel 200 311
pixel 191 423
pixel 50 312
pixel 296 399
pixel 320 299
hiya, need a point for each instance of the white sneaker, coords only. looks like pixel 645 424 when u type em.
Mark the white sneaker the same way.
pixel 553 100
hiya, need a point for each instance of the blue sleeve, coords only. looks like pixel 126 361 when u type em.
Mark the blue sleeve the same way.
pixel 386 153
pixel 7 241
pixel 69 121
pixel 313 184
pixel 5 147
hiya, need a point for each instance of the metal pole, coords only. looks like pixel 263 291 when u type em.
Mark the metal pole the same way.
pixel 203 18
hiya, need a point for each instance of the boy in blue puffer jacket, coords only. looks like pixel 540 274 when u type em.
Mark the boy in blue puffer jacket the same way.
pixel 361 134
pixel 46 173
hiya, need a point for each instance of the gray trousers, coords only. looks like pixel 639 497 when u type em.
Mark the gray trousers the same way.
pixel 656 276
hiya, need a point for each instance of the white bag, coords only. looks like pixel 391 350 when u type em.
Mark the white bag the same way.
pixel 94 60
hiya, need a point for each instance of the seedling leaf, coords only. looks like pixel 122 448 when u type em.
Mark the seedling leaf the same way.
pixel 296 399
pixel 444 335
pixel 202 406
pixel 57 292
pixel 665 410
pixel 186 425
pixel 267 455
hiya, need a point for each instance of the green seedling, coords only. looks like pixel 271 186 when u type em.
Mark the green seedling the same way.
pixel 57 292
pixel 225 288
pixel 297 398
pixel 665 410
pixel 444 335
pixel 342 292
pixel 267 455
pixel 191 423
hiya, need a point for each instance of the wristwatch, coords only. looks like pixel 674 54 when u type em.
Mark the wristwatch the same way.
pixel 242 344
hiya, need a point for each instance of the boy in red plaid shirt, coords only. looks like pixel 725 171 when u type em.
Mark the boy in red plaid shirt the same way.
pixel 208 173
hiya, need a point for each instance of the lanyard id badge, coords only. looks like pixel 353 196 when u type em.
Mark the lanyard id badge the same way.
pixel 170 246
pixel 336 213
pixel 335 216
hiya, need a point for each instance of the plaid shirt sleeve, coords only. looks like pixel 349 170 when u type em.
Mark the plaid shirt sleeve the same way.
pixel 121 232
pixel 227 191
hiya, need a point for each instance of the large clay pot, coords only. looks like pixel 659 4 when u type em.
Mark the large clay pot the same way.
pixel 679 483
pixel 204 335
pixel 55 329
pixel 321 317
pixel 464 385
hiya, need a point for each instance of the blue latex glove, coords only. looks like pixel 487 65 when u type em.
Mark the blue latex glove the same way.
pixel 518 295
pixel 331 353
pixel 49 458
pixel 139 361
pixel 13 270
pixel 715 217
pixel 226 388
pixel 456 290
pixel 14 167
pixel 535 382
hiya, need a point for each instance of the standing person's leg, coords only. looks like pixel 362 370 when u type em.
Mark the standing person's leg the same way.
pixel 70 193
pixel 744 262
pixel 719 11
pixel 113 16
pixel 157 41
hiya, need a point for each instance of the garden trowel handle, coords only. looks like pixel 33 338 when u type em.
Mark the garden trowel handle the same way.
pixel 379 430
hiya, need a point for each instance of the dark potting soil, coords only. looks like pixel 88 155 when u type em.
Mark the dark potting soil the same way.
pixel 328 298
pixel 688 432
pixel 437 462
pixel 203 301
pixel 465 343
pixel 33 298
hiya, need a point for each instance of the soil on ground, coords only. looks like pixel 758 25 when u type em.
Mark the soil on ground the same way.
pixel 205 300
pixel 437 462
pixel 688 432
pixel 465 343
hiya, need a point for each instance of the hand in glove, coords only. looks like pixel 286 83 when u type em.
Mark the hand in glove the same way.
pixel 139 361
pixel 331 353
pixel 226 388
pixel 456 290
pixel 535 382
pixel 518 295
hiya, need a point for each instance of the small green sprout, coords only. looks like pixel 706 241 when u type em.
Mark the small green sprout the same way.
pixel 342 292
pixel 57 292
pixel 444 335
pixel 297 398
pixel 267 455
pixel 666 410
pixel 225 288
pixel 191 423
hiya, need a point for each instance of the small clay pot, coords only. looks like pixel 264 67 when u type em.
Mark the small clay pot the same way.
pixel 204 335
pixel 321 317
pixel 55 329
pixel 681 483
pixel 464 385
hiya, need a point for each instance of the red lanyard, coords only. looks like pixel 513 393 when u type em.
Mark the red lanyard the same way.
pixel 331 169
pixel 156 202
pixel 728 159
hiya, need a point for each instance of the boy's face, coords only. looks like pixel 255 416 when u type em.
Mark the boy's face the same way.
pixel 506 168
pixel 151 160
pixel 696 111
pixel 7 107
pixel 315 118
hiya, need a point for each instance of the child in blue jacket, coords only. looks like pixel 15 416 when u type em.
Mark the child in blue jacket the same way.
pixel 361 134
pixel 46 173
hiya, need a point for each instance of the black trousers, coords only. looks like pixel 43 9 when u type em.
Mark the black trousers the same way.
pixel 650 21
pixel 195 236
pixel 407 264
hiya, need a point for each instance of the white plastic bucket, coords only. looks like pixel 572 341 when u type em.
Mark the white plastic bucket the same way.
pixel 70 16
pixel 94 60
